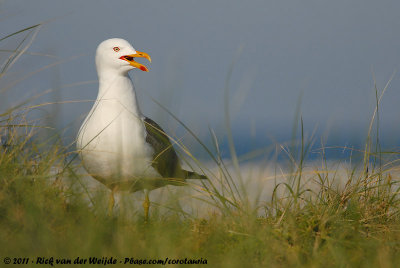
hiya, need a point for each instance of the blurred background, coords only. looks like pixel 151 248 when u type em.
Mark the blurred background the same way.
pixel 315 59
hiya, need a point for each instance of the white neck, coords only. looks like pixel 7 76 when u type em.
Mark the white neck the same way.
pixel 118 87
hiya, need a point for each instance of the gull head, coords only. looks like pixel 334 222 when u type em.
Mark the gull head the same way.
pixel 118 56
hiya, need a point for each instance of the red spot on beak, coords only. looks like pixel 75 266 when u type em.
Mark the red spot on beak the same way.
pixel 144 69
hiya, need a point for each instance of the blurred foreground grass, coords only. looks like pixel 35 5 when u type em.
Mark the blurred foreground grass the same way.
pixel 45 212
pixel 357 226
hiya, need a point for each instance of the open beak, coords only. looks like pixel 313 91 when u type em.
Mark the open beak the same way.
pixel 132 62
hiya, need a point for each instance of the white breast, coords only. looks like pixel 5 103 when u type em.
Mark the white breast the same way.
pixel 111 140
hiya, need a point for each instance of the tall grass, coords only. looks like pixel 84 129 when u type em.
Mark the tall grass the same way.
pixel 316 216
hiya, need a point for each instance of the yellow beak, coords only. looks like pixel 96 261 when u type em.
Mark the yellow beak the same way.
pixel 132 62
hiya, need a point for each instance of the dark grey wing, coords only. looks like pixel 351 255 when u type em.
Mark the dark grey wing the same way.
pixel 165 160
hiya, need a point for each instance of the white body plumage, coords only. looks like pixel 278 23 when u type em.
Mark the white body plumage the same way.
pixel 112 138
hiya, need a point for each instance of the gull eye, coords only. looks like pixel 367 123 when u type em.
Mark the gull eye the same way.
pixel 116 49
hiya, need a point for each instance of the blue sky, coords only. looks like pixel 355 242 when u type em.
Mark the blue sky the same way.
pixel 323 53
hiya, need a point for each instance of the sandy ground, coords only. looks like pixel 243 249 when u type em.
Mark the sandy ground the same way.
pixel 257 183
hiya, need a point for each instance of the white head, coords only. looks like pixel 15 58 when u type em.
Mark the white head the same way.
pixel 118 56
